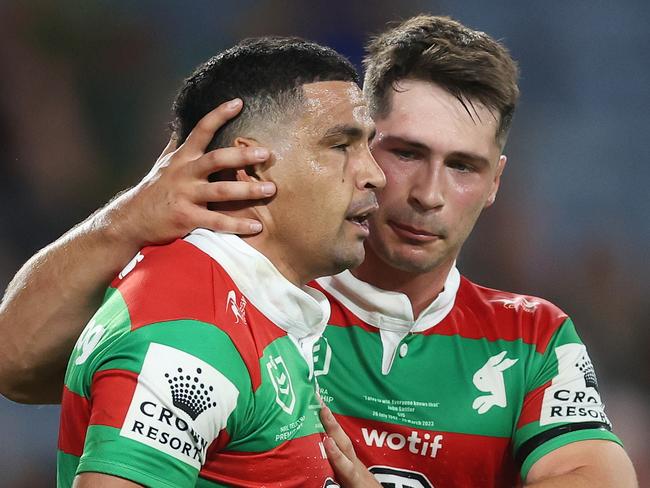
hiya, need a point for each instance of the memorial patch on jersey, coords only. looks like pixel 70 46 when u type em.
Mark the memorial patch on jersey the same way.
pixel 573 395
pixel 180 404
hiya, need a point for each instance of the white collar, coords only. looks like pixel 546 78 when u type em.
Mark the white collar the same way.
pixel 300 311
pixel 390 310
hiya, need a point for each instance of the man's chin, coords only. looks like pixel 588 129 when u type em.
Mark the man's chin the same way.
pixel 350 259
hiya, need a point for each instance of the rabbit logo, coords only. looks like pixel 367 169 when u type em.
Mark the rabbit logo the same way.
pixel 489 378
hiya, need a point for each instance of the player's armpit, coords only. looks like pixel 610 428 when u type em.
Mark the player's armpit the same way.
pixel 588 464
pixel 99 480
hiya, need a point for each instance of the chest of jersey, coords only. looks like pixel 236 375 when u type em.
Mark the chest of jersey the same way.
pixel 444 413
pixel 275 438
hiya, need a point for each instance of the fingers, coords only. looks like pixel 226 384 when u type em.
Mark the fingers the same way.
pixel 334 430
pixel 229 191
pixel 205 129
pixel 170 147
pixel 344 469
pixel 228 157
pixel 226 224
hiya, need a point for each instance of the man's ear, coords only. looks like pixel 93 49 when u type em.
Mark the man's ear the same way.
pixel 496 181
pixel 248 173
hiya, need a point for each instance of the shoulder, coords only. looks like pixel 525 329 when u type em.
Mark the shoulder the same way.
pixel 508 315
pixel 172 282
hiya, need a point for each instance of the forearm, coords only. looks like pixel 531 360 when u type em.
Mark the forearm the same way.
pixel 50 300
pixel 586 477
pixel 588 464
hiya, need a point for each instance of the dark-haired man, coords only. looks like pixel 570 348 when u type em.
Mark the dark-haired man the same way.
pixel 438 381
pixel 197 368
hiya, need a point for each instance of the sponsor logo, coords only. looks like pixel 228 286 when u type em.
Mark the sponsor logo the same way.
pixel 175 408
pixel 399 478
pixel 573 395
pixel 129 267
pixel 279 375
pixel 489 378
pixel 322 356
pixel 519 303
pixel 425 445
pixel 237 310
pixel 88 341
pixel 330 483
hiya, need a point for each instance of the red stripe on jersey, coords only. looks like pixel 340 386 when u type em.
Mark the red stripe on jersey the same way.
pixel 484 313
pixel 75 413
pixel 171 282
pixel 531 410
pixel 111 394
pixel 444 458
pixel 301 456
pixel 179 281
pixel 480 313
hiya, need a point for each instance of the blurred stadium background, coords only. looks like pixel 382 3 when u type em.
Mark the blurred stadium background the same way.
pixel 84 101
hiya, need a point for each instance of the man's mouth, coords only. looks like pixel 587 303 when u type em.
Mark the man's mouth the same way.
pixel 360 218
pixel 413 233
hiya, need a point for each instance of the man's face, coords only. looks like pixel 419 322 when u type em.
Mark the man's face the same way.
pixel 326 178
pixel 442 169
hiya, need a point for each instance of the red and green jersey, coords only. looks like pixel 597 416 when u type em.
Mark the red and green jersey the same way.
pixel 194 372
pixel 471 393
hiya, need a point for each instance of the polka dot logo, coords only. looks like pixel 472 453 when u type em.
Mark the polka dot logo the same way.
pixel 180 404
pixel 190 393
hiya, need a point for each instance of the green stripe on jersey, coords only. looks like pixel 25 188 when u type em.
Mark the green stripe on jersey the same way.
pixel 431 388
pixel 285 386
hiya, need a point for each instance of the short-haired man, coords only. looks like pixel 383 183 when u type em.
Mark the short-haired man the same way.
pixel 438 381
pixel 196 370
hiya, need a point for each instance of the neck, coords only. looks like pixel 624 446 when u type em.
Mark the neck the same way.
pixel 421 288
pixel 279 258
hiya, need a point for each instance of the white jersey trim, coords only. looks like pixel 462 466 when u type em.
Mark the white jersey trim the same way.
pixel 300 311
pixel 389 311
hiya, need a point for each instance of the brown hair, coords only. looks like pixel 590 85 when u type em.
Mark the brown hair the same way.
pixel 468 64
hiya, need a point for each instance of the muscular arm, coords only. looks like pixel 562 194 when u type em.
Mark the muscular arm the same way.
pixel 99 480
pixel 55 293
pixel 584 464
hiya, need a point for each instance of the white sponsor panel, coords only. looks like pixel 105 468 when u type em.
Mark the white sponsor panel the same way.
pixel 180 404
pixel 573 395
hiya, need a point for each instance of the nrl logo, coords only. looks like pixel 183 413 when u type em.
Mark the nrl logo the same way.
pixel 237 310
pixel 279 374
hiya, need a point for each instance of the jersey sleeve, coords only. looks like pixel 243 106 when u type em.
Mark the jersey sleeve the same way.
pixel 563 404
pixel 158 396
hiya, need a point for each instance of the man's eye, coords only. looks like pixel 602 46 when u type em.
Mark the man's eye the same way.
pixel 341 147
pixel 462 167
pixel 404 154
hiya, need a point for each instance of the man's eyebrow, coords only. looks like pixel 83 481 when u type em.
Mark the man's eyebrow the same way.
pixel 348 130
pixel 413 144
pixel 470 157
pixel 407 142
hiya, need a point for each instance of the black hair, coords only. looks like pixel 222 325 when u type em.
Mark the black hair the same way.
pixel 267 73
